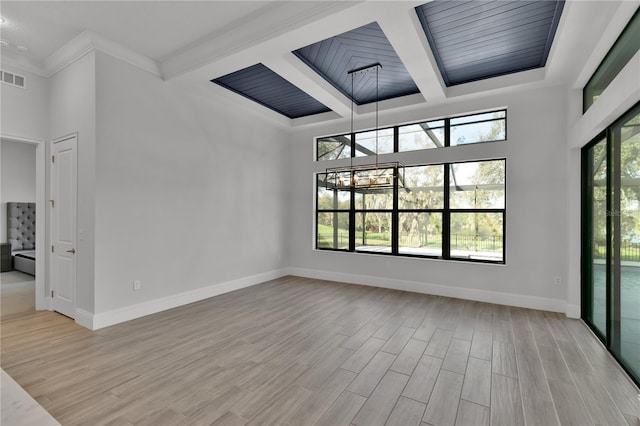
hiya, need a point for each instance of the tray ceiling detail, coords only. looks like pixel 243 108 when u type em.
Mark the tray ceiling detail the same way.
pixel 334 57
pixel 474 40
pixel 267 88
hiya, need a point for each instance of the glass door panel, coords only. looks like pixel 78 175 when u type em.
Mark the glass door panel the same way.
pixel 596 240
pixel 628 246
pixel 611 239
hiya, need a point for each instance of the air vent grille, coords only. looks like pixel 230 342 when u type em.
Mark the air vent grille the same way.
pixel 12 79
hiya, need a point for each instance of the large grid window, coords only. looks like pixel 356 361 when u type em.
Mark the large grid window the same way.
pixel 449 211
pixel 453 131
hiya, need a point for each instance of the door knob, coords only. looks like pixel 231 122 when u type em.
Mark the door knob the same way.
pixel 72 251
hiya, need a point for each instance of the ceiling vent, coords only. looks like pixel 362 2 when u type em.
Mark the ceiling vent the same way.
pixel 12 79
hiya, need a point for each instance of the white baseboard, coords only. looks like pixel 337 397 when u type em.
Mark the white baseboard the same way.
pixel 127 313
pixel 84 318
pixel 573 311
pixel 500 298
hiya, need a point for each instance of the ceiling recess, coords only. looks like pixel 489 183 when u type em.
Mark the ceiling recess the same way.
pixel 334 57
pixel 267 88
pixel 473 40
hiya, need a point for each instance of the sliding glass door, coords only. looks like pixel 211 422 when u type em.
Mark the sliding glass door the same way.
pixel 611 239
pixel 595 247
pixel 626 254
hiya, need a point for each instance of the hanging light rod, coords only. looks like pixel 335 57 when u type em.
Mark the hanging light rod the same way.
pixel 366 68
pixel 366 177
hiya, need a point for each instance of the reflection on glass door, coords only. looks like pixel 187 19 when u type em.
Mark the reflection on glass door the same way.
pixel 627 251
pixel 611 239
pixel 596 245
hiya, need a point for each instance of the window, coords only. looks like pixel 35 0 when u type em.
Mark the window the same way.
pixel 452 211
pixel 477 202
pixel 425 135
pixel 332 219
pixel 618 56
pixel 487 127
pixel 469 129
pixel 366 142
pixel 449 211
pixel 420 207
pixel 334 147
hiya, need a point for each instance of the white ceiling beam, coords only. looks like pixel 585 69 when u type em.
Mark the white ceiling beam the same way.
pixel 302 76
pixel 404 31
pixel 271 22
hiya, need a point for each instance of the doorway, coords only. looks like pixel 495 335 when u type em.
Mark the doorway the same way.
pixel 611 239
pixel 24 289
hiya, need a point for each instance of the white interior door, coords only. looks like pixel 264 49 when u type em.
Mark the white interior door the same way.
pixel 64 175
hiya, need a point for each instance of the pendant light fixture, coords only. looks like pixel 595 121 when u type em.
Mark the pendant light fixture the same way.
pixel 365 177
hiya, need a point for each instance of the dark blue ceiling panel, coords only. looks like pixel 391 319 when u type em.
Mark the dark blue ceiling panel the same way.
pixel 267 88
pixel 334 57
pixel 477 39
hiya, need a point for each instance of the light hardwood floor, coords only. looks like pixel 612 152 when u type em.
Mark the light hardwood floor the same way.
pixel 296 351
pixel 17 293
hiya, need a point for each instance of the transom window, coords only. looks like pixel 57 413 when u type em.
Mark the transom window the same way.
pixel 469 129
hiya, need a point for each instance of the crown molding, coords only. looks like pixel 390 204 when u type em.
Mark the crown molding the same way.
pixel 24 66
pixel 88 41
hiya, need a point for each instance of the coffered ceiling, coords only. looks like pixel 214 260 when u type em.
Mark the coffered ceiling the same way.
pixel 288 60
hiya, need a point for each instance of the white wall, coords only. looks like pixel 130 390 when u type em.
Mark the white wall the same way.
pixel 72 109
pixel 17 177
pixel 536 208
pixel 621 94
pixel 188 193
pixel 25 112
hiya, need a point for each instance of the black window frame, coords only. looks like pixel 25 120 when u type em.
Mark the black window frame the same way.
pixel 615 52
pixel 396 132
pixel 446 211
pixel 610 337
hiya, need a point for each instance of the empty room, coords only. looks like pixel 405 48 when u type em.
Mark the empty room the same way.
pixel 320 212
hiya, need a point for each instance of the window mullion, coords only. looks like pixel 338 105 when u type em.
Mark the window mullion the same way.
pixel 446 213
pixel 447 132
pixel 395 237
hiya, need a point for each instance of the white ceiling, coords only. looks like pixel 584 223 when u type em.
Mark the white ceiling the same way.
pixel 193 42
pixel 152 28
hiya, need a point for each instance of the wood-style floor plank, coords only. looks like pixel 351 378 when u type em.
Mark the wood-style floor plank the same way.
pixel 504 359
pixel 506 404
pixel 360 358
pixel 423 379
pixel 443 404
pixel 407 412
pixel 482 344
pixel 297 351
pixel 569 404
pixel 381 402
pixel 409 357
pixel 343 410
pixel 539 411
pixel 470 414
pixel 456 358
pixel 312 408
pixel 439 343
pixel 369 377
pixel 477 382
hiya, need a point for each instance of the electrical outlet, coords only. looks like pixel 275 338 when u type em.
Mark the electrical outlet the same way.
pixel 557 280
pixel 136 285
